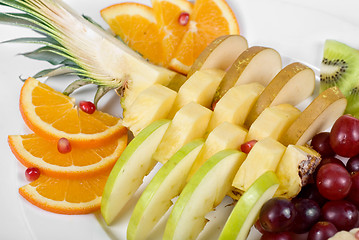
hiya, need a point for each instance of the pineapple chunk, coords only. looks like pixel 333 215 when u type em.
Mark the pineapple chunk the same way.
pixel 273 122
pixel 264 156
pixel 295 168
pixel 235 105
pixel 152 104
pixel 199 88
pixel 225 136
pixel 189 123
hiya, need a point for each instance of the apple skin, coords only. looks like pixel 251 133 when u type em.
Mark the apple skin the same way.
pixel 248 206
pixel 205 190
pixel 168 183
pixel 130 169
pixel 344 136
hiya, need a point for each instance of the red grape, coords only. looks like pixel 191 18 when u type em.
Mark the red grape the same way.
pixel 333 181
pixel 322 231
pixel 320 143
pixel 353 195
pixel 343 214
pixel 277 236
pixel 353 164
pixel 325 161
pixel 344 136
pixel 32 173
pixel 308 213
pixel 258 226
pixel 277 215
pixel 310 191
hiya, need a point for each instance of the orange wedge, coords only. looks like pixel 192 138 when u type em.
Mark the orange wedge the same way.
pixel 167 13
pixel 34 151
pixel 209 20
pixel 53 115
pixel 136 25
pixel 65 196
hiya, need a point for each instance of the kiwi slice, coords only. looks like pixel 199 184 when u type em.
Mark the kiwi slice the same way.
pixel 340 67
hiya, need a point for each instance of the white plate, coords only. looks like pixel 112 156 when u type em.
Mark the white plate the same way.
pixel 296 29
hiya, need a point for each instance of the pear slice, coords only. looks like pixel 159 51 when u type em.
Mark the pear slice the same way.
pixel 255 64
pixel 189 123
pixel 235 105
pixel 152 104
pixel 199 88
pixel 273 122
pixel 291 85
pixel 295 168
pixel 318 116
pixel 264 156
pixel 220 53
pixel 168 183
pixel 248 206
pixel 130 169
pixel 225 136
pixel 205 190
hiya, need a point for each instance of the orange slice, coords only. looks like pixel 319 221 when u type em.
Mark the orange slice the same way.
pixel 34 151
pixel 136 25
pixel 53 115
pixel 209 20
pixel 167 13
pixel 65 196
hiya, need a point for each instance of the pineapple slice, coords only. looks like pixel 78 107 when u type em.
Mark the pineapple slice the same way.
pixel 235 105
pixel 273 122
pixel 295 168
pixel 152 104
pixel 189 123
pixel 225 136
pixel 199 88
pixel 264 156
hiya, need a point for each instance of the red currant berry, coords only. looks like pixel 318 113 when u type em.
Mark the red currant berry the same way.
pixel 183 18
pixel 247 146
pixel 63 145
pixel 87 107
pixel 32 174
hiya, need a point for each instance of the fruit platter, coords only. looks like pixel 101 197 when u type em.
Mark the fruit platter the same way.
pixel 177 119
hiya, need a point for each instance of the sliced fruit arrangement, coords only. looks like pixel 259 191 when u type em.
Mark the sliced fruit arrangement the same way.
pixel 128 173
pixel 248 206
pixel 53 115
pixel 113 65
pixel 171 33
pixel 67 171
pixel 205 190
pixel 340 68
pixel 34 151
pixel 66 196
pixel 167 184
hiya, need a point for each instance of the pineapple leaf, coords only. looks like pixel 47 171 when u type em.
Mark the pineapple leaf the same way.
pixel 75 85
pixel 53 72
pixel 18 19
pixel 101 91
pixel 89 19
pixel 48 54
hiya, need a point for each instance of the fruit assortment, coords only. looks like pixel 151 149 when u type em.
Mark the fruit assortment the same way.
pixel 67 174
pixel 271 131
pixel 328 204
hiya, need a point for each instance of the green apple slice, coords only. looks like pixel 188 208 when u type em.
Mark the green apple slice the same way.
pixel 165 185
pixel 248 206
pixel 130 169
pixel 205 190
